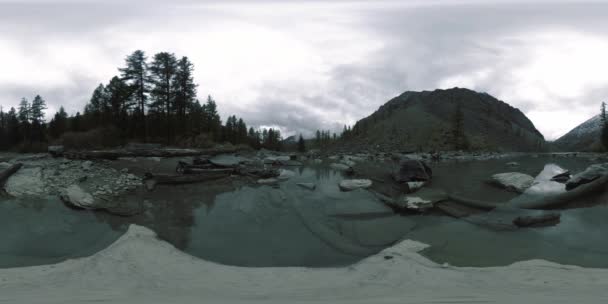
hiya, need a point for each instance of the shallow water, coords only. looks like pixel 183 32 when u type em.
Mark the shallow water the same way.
pixel 44 231
pixel 250 225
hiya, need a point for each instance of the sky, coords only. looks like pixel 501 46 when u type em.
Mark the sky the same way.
pixel 307 65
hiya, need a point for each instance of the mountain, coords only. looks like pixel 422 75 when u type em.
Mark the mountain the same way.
pixel 427 120
pixel 585 137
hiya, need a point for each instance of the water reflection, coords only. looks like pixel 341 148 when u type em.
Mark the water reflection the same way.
pixel 240 223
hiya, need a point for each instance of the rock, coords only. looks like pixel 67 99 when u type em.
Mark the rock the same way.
pixel 292 163
pixel 352 184
pixel 340 167
pixel 87 165
pixel 513 181
pixel 309 186
pixel 55 151
pixel 592 173
pixel 348 162
pixel 423 200
pixel 415 186
pixel 562 177
pixel 285 174
pixel 544 185
pixel 267 181
pixel 25 182
pixel 124 170
pixel 412 171
pixel 227 161
pixel 75 196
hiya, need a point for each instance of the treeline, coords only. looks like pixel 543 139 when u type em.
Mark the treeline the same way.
pixel 150 101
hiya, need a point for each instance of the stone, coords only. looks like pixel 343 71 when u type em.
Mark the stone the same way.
pixel 339 167
pixel 513 181
pixel 55 151
pixel 87 165
pixel 309 186
pixel 226 161
pixel 353 184
pixel 415 186
pixel 25 182
pixel 590 174
pixel 422 200
pixel 412 171
pixel 267 181
pixel 75 196
pixel 285 174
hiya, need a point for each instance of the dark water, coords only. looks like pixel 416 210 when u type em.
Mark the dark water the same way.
pixel 293 226
pixel 35 232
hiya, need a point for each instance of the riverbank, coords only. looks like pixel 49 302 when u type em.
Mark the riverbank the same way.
pixel 139 268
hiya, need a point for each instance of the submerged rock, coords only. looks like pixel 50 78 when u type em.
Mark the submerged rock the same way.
pixel 592 173
pixel 309 186
pixel 267 181
pixel 353 184
pixel 421 201
pixel 415 186
pixel 513 181
pixel 412 171
pixel 285 174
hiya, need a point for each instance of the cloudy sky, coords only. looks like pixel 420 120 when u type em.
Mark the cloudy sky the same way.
pixel 303 65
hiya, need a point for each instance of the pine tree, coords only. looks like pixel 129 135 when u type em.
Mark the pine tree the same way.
pixel 162 70
pixel 37 118
pixel 118 96
pixel 24 119
pixel 59 123
pixel 185 91
pixel 137 77
pixel 301 144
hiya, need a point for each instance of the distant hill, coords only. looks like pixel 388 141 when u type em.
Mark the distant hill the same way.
pixel 426 121
pixel 585 137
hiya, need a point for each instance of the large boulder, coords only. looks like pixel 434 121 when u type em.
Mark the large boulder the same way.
pixel 412 171
pixel 592 173
pixel 26 182
pixel 55 151
pixel 353 184
pixel 513 181
pixel 77 197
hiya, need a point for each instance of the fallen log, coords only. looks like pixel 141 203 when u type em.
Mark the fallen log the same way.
pixel 4 175
pixel 151 180
pixel 116 153
pixel 542 220
pixel 544 202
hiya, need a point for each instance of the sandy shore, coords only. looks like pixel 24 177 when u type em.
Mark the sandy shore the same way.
pixel 139 268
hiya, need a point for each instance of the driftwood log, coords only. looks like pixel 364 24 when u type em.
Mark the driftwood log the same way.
pixel 114 154
pixel 152 180
pixel 4 175
pixel 537 220
pixel 545 202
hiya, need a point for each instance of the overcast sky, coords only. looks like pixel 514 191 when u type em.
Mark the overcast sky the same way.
pixel 304 65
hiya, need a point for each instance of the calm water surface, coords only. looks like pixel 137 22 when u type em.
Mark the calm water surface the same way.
pixel 293 226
